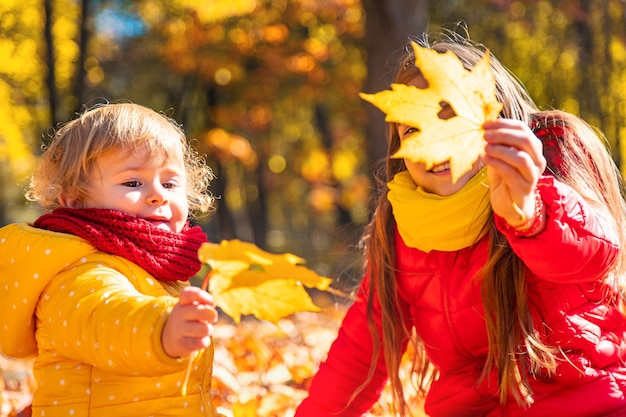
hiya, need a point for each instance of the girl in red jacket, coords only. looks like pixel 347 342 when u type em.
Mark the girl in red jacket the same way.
pixel 508 314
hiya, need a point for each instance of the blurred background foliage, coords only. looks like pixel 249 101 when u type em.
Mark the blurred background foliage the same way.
pixel 268 90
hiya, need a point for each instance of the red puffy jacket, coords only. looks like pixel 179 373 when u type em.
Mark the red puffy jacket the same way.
pixel 567 265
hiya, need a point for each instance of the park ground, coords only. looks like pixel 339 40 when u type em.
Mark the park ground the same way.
pixel 260 369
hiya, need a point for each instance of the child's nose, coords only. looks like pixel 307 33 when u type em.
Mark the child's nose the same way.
pixel 157 195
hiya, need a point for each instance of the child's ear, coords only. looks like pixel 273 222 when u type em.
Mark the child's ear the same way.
pixel 69 201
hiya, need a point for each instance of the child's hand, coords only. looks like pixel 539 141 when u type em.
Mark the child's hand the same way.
pixel 515 161
pixel 190 324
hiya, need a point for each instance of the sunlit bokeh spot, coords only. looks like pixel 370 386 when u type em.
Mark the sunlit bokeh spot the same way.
pixel 223 76
pixel 277 164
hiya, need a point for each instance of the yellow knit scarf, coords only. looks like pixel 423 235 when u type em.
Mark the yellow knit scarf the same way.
pixel 432 222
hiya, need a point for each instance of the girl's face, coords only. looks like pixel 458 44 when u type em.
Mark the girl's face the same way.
pixel 142 187
pixel 437 180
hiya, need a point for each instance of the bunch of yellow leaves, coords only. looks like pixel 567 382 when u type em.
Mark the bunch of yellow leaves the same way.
pixel 469 93
pixel 247 280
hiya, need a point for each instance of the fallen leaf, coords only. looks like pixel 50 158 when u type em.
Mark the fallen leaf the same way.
pixel 245 356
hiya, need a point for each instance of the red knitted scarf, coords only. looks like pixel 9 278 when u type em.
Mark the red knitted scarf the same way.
pixel 166 255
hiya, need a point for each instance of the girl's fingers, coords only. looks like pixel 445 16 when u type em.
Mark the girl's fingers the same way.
pixel 522 140
pixel 516 135
pixel 511 162
pixel 514 156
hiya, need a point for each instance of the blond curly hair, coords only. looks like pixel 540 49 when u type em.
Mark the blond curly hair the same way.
pixel 76 146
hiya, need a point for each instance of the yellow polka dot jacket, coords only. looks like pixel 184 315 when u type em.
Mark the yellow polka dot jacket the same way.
pixel 93 322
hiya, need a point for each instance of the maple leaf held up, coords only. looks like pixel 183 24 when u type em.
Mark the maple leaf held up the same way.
pixel 247 280
pixel 470 95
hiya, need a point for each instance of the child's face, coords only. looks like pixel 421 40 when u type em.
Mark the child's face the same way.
pixel 438 179
pixel 141 187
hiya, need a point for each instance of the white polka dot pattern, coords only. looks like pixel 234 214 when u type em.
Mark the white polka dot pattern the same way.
pixel 94 320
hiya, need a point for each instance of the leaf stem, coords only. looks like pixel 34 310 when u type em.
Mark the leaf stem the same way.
pixel 183 390
pixel 205 281
pixel 194 354
pixel 522 215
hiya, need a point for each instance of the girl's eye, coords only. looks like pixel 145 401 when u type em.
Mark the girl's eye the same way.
pixel 132 184
pixel 170 185
pixel 408 131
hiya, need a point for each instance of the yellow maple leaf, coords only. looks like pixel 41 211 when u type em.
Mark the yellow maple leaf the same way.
pixel 247 280
pixel 470 94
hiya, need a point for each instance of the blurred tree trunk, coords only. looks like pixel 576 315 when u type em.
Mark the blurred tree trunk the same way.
pixel 83 42
pixel 388 26
pixel 226 229
pixel 50 62
pixel 597 103
pixel 588 50
pixel 257 206
pixel 322 124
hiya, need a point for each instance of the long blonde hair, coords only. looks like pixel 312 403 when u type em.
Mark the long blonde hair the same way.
pixel 585 165
pixel 76 147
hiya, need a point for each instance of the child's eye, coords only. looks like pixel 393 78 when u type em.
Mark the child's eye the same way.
pixel 132 184
pixel 170 185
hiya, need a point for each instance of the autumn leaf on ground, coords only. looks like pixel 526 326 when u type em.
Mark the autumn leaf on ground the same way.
pixel 470 94
pixel 247 280
pixel 260 369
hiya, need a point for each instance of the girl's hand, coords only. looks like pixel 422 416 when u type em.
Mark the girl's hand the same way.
pixel 515 161
pixel 190 324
